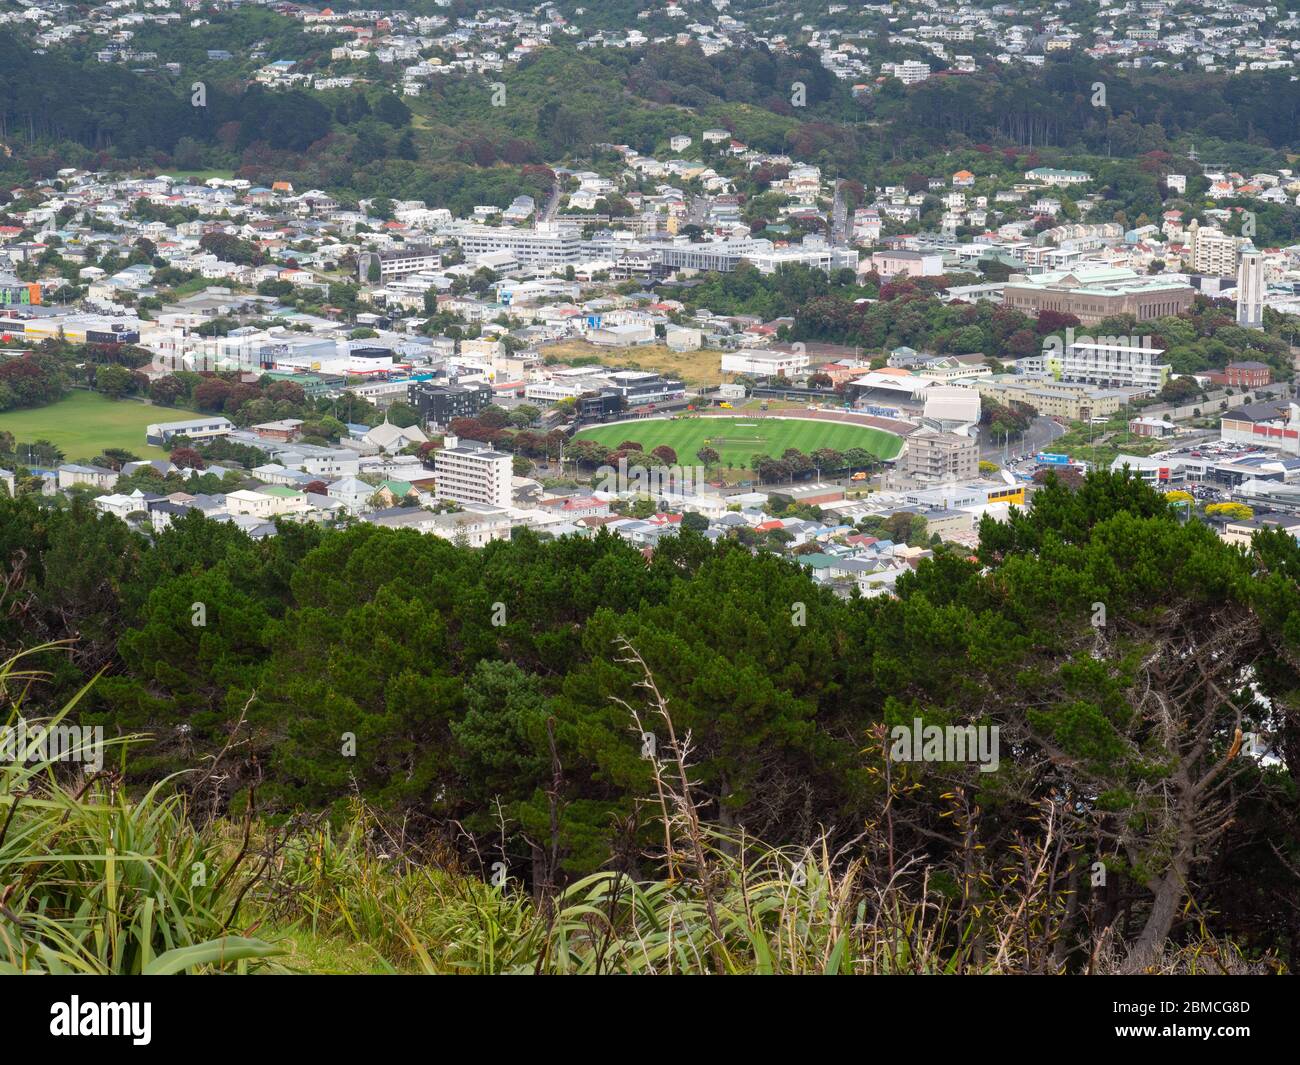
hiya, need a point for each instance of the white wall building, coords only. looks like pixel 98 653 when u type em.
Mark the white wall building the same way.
pixel 542 246
pixel 472 473
pixel 1115 365
pixel 764 363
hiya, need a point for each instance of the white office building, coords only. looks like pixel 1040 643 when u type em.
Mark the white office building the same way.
pixel 544 245
pixel 1212 251
pixel 160 434
pixel 764 363
pixel 1115 365
pixel 816 256
pixel 472 473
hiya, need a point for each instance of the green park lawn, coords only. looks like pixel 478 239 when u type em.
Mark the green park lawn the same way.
pixel 83 424
pixel 739 439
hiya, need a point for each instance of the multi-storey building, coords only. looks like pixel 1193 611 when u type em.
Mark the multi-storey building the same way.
pixel 937 457
pixel 1051 176
pixel 637 387
pixel 439 404
pixel 910 71
pixel 824 257
pixel 1245 374
pixel 1074 401
pixel 1094 294
pixel 397 262
pixel 1272 424
pixel 472 473
pixel 721 256
pixel 1116 365
pixel 545 245
pixel 911 263
pixel 1212 251
pixel 764 363
pixel 160 434
pixel 14 291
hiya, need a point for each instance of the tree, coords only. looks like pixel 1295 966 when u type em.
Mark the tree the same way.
pixel 708 456
pixel 211 394
pixel 31 380
pixel 114 381
pixel 501 738
pixel 904 527
pixel 524 415
pixel 1149 632
pixel 1230 511
pixel 1180 389
pixel 856 458
pixel 188 459
pixel 390 109
pixel 232 249
pixel 168 391
pixel 1068 476
pixel 828 459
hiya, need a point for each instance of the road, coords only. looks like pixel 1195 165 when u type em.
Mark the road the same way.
pixel 552 204
pixel 840 217
pixel 1279 390
pixel 1040 434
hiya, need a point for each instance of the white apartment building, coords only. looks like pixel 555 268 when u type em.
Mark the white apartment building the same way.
pixel 910 71
pixel 826 258
pixel 477 525
pixel 542 246
pixel 1212 250
pixel 160 434
pixel 398 263
pixel 472 473
pixel 120 505
pixel 717 255
pixel 1115 365
pixel 764 363
pixel 266 504
pixel 554 391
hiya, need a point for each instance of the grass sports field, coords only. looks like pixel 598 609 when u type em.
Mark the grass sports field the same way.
pixel 739 439
pixel 83 423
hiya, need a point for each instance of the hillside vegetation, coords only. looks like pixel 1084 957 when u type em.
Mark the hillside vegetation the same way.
pixel 353 708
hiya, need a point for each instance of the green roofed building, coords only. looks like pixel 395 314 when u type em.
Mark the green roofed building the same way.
pixel 314 385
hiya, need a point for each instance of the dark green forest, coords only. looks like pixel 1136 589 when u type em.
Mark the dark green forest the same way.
pixel 487 695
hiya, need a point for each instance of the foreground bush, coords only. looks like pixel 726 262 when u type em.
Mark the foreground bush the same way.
pixel 94 882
